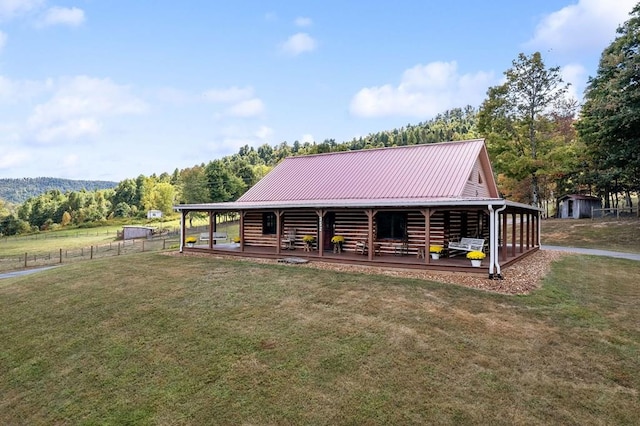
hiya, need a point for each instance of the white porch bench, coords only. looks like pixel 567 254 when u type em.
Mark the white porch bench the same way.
pixel 467 244
pixel 217 237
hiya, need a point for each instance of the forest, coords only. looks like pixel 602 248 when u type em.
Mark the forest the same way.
pixel 542 145
pixel 17 191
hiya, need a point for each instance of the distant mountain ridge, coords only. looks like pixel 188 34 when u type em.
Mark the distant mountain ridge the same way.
pixel 19 190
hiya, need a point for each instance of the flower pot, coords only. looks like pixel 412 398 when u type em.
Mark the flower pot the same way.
pixel 476 263
pixel 190 244
pixel 435 256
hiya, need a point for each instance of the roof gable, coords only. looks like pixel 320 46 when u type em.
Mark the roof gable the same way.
pixel 440 170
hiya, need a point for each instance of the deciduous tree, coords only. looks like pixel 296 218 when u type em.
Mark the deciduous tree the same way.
pixel 515 118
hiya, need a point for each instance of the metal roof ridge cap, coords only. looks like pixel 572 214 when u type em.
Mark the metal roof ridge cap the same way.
pixel 381 148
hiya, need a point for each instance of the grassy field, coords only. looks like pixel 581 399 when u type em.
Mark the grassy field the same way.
pixel 158 339
pixel 622 235
pixel 43 249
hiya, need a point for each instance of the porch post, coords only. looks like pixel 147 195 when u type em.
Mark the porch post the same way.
pixel 242 213
pixel 320 214
pixel 528 226
pixel 513 234
pixel 504 237
pixel 427 234
pixel 183 216
pixel 370 213
pixel 521 232
pixel 212 227
pixel 278 230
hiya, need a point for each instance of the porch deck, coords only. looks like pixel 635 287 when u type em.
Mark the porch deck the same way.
pixel 456 263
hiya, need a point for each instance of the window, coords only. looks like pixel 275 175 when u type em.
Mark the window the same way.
pixel 269 223
pixel 391 225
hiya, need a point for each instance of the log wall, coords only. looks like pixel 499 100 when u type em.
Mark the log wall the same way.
pixel 353 225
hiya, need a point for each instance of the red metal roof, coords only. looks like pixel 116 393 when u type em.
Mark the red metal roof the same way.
pixel 430 171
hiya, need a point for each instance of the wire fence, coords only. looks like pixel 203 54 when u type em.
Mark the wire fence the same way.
pixel 615 213
pixel 61 256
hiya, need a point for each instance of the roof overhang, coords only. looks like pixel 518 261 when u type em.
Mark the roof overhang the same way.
pixel 353 204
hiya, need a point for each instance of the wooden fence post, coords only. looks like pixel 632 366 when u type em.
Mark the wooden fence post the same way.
pixel 25 260
pixel 118 249
pixel 143 246
pixel 91 253
pixel 60 255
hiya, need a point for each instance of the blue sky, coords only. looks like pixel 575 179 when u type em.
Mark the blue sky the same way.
pixel 97 89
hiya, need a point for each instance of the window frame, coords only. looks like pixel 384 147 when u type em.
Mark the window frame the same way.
pixel 269 223
pixel 391 225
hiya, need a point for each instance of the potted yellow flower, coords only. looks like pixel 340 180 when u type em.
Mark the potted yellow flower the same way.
pixel 308 242
pixel 435 252
pixel 476 258
pixel 190 240
pixel 337 241
pixel 236 241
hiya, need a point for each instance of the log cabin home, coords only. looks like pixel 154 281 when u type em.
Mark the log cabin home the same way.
pixel 389 205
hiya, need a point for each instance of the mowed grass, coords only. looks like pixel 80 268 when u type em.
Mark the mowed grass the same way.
pixel 617 235
pixel 158 339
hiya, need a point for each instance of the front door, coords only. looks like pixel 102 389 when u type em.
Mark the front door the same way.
pixel 329 229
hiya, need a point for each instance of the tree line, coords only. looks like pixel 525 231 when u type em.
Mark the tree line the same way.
pixel 542 145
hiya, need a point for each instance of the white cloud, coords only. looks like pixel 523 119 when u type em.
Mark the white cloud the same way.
pixel 71 16
pixel 12 8
pixel 12 91
pixel 249 108
pixel 10 157
pixel 297 44
pixel 70 160
pixel 307 137
pixel 264 132
pixel 424 91
pixel 78 107
pixel 228 95
pixel 587 25
pixel 576 75
pixel 70 130
pixel 244 103
pixel 303 22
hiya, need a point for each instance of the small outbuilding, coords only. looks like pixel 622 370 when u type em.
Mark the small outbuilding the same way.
pixel 131 232
pixel 154 214
pixel 576 206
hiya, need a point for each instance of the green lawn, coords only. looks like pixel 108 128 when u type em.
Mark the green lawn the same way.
pixel 622 235
pixel 157 339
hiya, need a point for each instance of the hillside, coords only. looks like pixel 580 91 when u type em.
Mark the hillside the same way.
pixel 18 190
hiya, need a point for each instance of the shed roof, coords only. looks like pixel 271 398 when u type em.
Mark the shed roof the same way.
pixel 416 172
pixel 579 197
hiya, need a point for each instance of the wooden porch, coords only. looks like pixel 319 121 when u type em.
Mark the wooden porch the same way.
pixel 458 263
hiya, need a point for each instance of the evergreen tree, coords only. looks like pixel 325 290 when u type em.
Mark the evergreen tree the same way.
pixel 610 117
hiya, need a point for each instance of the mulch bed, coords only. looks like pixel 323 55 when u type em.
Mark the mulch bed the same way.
pixel 520 278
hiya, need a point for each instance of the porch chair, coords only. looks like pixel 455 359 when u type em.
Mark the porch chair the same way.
pixel 289 240
pixel 401 248
pixel 362 247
